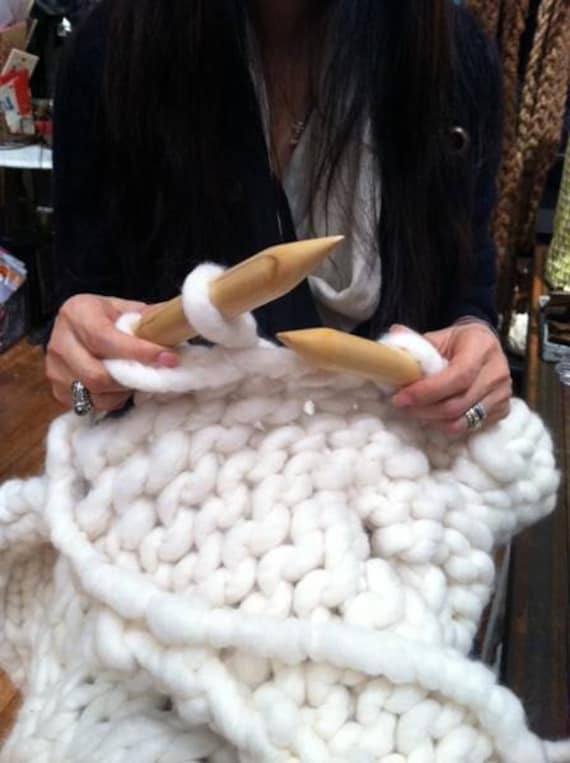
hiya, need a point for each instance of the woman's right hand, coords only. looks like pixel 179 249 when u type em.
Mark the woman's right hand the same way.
pixel 84 334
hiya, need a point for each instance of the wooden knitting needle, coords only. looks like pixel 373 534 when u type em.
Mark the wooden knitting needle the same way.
pixel 336 351
pixel 254 282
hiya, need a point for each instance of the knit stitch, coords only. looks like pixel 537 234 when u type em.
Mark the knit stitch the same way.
pixel 263 562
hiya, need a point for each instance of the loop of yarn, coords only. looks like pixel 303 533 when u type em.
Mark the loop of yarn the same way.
pixel 423 351
pixel 276 566
pixel 238 332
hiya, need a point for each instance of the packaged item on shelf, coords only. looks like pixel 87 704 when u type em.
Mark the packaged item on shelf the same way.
pixel 13 309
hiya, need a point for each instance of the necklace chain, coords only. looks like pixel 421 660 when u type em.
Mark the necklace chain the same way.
pixel 297 130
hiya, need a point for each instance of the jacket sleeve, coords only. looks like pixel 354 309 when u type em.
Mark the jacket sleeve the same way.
pixel 85 255
pixel 481 83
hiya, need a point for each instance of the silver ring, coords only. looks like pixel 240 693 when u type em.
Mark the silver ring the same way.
pixel 475 416
pixel 82 403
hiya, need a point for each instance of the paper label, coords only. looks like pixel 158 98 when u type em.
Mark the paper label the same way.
pixel 19 60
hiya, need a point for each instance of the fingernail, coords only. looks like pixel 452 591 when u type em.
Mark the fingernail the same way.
pixel 167 360
pixel 402 401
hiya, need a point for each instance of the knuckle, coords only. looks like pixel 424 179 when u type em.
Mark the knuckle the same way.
pixel 96 343
pixel 96 381
pixel 505 409
pixel 503 382
pixel 100 343
pixel 455 427
pixel 71 305
pixel 51 373
pixel 466 376
pixel 505 399
pixel 54 349
pixel 60 394
pixel 454 409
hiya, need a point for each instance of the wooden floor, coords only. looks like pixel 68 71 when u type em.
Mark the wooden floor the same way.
pixel 26 409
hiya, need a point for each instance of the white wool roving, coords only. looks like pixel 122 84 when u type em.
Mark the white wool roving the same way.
pixel 263 562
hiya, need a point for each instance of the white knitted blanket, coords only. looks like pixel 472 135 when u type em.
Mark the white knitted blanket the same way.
pixel 262 562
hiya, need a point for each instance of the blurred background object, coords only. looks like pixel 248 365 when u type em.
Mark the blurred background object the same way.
pixel 13 11
pixel 533 37
pixel 558 261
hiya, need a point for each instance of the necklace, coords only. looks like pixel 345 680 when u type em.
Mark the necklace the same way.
pixel 297 130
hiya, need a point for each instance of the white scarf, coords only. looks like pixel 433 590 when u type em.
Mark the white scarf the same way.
pixel 347 286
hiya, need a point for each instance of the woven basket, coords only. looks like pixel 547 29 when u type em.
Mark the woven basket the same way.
pixel 558 263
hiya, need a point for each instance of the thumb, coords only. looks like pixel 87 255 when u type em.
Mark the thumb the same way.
pixel 105 341
pixel 112 344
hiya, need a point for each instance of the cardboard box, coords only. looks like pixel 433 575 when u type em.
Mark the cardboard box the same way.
pixel 15 36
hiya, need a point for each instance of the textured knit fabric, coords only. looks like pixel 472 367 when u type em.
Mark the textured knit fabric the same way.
pixel 262 562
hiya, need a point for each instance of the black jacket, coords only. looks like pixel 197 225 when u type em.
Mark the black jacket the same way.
pixel 88 257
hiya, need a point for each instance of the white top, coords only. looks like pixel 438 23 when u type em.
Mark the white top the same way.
pixel 35 157
pixel 347 285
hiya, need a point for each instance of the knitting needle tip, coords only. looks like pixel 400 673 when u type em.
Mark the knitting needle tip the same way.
pixel 252 283
pixel 269 274
pixel 337 351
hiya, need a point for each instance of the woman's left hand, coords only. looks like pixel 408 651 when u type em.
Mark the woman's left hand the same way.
pixel 478 372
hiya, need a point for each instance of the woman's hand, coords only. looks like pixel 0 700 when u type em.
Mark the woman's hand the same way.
pixel 478 372
pixel 84 334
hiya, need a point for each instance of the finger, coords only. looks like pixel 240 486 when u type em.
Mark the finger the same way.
pixel 104 403
pixel 92 320
pixel 464 369
pixel 111 343
pixel 460 426
pixel 110 402
pixel 454 381
pixel 454 407
pixel 448 410
pixel 68 360
pixel 471 353
pixel 494 382
pixel 121 306
pixel 496 408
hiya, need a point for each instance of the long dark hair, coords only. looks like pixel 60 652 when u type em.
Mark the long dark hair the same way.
pixel 181 112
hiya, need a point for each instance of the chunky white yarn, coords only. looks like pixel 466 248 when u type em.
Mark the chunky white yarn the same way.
pixel 263 562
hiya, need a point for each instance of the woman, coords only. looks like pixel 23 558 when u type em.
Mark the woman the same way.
pixel 214 128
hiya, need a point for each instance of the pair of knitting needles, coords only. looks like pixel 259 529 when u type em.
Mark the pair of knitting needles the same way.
pixel 266 277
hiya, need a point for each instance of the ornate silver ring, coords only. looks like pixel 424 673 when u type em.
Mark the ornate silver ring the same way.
pixel 81 399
